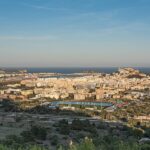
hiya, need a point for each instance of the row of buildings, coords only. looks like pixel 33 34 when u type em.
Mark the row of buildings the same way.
pixel 127 83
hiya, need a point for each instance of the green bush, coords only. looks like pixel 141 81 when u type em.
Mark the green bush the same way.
pixel 27 136
pixel 39 132
pixel 54 140
pixel 145 147
pixel 63 127
pixel 87 144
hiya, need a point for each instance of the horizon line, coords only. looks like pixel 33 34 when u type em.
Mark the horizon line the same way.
pixel 13 67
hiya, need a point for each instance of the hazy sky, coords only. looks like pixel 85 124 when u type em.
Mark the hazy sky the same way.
pixel 46 33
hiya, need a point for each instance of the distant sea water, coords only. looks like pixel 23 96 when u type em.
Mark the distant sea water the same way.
pixel 66 70
pixel 81 70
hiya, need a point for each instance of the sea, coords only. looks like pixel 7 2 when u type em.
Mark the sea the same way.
pixel 83 69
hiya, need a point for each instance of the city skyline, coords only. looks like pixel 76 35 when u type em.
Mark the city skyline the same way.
pixel 81 33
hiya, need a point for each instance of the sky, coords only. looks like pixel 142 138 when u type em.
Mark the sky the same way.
pixel 74 33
